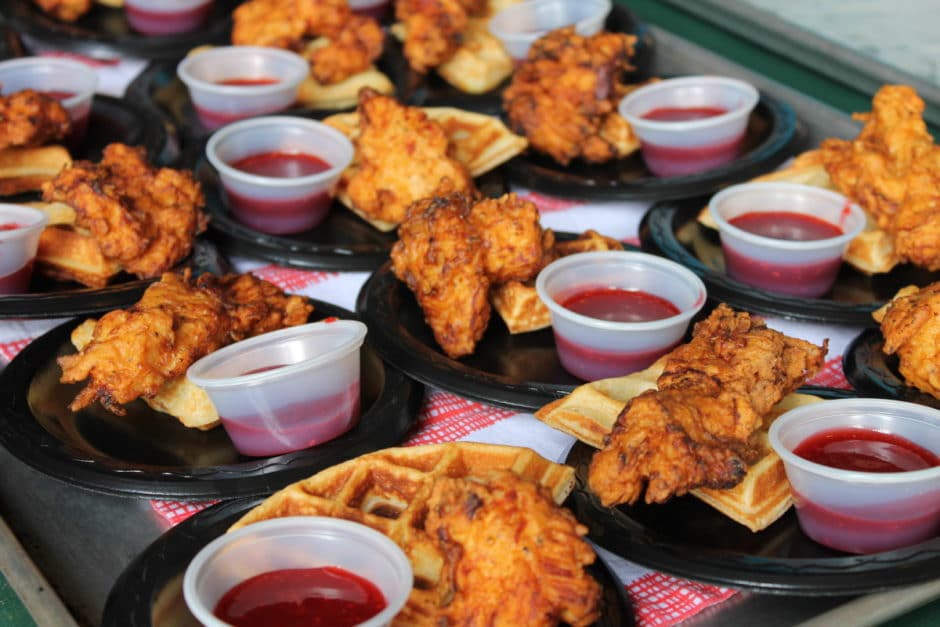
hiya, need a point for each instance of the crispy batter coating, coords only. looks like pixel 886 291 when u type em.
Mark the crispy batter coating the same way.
pixel 143 217
pixel 910 323
pixel 433 29
pixel 65 10
pixel 452 248
pixel 892 169
pixel 351 42
pixel 401 157
pixel 564 96
pixel 135 351
pixel 696 429
pixel 31 118
pixel 506 536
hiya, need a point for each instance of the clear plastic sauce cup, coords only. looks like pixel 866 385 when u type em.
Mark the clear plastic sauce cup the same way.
pixel 859 511
pixel 20 228
pixel 691 124
pixel 519 25
pixel 297 542
pixel 279 172
pixel 234 82
pixel 593 348
pixel 166 17
pixel 286 390
pixel 764 230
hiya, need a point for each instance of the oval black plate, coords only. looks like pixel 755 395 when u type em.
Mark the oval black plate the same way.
pixel 57 299
pixel 117 120
pixel 873 373
pixel 770 132
pixel 147 453
pixel 516 371
pixel 670 229
pixel 150 590
pixel 104 31
pixel 430 90
pixel 687 538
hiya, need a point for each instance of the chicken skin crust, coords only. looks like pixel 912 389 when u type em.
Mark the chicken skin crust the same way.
pixel 178 320
pixel 65 10
pixel 31 118
pixel 910 323
pixel 508 536
pixel 696 429
pixel 564 96
pixel 143 217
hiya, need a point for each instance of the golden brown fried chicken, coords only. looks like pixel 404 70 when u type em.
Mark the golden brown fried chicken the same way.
pixel 910 323
pixel 401 157
pixel 271 23
pixel 564 96
pixel 135 351
pixel 31 118
pixel 65 10
pixel 697 429
pixel 507 536
pixel 143 217
pixel 440 257
pixel 350 51
pixel 511 236
pixel 432 28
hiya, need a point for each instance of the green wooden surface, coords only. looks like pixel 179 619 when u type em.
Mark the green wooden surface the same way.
pixel 12 611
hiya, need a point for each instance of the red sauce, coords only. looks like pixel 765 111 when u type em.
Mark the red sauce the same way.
pixel 620 305
pixel 248 82
pixel 865 450
pixel 379 11
pixel 17 282
pixel 167 22
pixel 280 216
pixel 262 369
pixel 786 225
pixel 282 164
pixel 10 226
pixel 591 364
pixel 294 427
pixel 682 114
pixel 59 95
pixel 804 280
pixel 312 597
pixel 673 161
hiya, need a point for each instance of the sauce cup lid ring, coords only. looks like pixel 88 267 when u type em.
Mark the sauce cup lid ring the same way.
pixel 750 93
pixel 75 68
pixel 38 219
pixel 506 15
pixel 198 372
pixel 622 258
pixel 298 71
pixel 850 406
pixel 279 121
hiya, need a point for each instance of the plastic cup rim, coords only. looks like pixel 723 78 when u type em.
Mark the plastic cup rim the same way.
pixel 154 5
pixel 870 406
pixel 604 8
pixel 70 64
pixel 42 219
pixel 625 256
pixel 357 333
pixel 782 244
pixel 311 524
pixel 270 181
pixel 750 92
pixel 298 71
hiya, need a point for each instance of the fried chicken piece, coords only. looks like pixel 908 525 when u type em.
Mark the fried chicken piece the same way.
pixel 270 23
pixel 401 157
pixel 255 306
pixel 31 118
pixel 350 51
pixel 135 351
pixel 696 430
pixel 432 28
pixel 65 10
pixel 143 217
pixel 910 323
pixel 440 257
pixel 506 535
pixel 511 237
pixel 178 320
pixel 564 96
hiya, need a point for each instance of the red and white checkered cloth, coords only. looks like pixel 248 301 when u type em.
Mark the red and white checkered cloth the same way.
pixel 658 599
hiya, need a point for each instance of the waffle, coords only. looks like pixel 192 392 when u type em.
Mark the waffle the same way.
pixel 517 302
pixel 481 62
pixel 67 253
pixel 388 491
pixel 178 397
pixel 871 252
pixel 590 411
pixel 26 169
